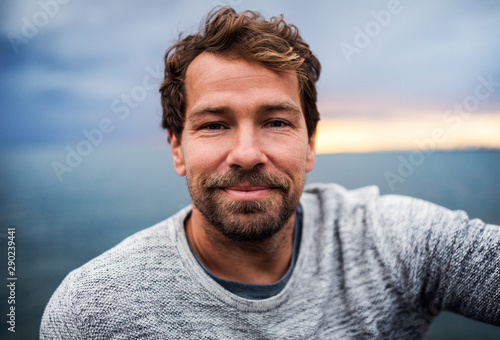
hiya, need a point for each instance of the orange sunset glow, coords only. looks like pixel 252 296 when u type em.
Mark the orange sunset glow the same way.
pixel 426 130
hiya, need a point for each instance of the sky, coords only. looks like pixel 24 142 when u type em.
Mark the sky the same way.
pixel 397 75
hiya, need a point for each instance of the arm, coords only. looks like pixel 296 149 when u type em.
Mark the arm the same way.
pixel 440 259
pixel 59 320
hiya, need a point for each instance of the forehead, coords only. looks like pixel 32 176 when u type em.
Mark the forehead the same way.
pixel 210 76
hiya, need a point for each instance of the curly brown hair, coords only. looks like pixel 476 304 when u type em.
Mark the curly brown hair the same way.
pixel 273 44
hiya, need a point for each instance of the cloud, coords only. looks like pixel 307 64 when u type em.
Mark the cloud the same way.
pixel 90 53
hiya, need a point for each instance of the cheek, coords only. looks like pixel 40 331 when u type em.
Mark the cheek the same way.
pixel 202 159
pixel 291 158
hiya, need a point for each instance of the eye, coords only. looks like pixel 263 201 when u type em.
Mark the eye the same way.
pixel 277 124
pixel 214 126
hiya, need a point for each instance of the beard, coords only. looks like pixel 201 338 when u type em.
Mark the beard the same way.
pixel 245 221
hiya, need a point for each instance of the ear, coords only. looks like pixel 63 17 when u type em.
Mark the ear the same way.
pixel 311 152
pixel 177 154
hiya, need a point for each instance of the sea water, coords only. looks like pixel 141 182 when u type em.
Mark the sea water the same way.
pixel 116 190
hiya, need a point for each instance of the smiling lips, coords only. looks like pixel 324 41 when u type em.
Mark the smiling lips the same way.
pixel 247 192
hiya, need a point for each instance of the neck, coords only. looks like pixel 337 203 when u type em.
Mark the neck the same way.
pixel 262 262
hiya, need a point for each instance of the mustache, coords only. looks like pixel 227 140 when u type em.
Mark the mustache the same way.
pixel 247 177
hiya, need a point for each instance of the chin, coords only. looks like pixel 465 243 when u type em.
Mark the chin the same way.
pixel 251 227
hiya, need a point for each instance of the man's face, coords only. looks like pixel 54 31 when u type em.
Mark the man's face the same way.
pixel 244 149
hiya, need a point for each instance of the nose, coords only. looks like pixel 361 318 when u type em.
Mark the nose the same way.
pixel 246 152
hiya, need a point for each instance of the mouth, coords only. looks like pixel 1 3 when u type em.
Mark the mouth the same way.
pixel 247 192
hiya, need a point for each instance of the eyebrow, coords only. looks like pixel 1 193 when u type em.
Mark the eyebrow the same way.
pixel 281 106
pixel 211 109
pixel 206 109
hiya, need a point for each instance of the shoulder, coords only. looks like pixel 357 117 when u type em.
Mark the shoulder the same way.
pixel 136 251
pixel 403 237
pixel 387 220
pixel 386 208
pixel 334 194
pixel 115 279
pixel 335 201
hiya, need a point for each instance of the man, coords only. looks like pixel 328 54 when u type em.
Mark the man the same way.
pixel 256 255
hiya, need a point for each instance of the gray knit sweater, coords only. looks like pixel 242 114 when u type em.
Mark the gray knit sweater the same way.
pixel 369 267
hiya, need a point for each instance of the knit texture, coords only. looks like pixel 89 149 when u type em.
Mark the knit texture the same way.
pixel 369 267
